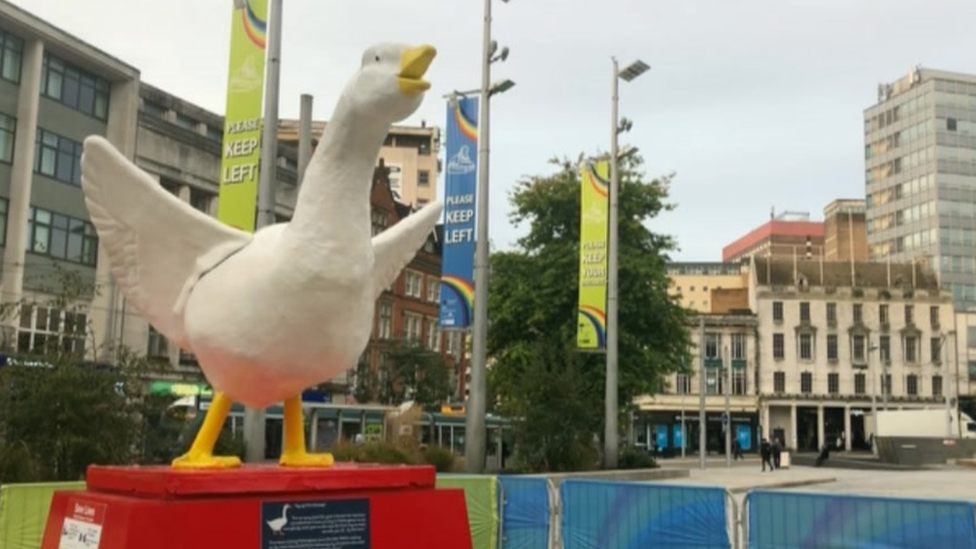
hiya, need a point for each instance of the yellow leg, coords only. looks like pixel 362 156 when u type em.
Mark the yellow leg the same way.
pixel 293 454
pixel 201 455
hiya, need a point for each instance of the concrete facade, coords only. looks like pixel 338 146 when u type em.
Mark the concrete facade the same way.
pixel 965 350
pixel 818 339
pixel 920 176
pixel 845 230
pixel 779 237
pixel 57 90
pixel 694 282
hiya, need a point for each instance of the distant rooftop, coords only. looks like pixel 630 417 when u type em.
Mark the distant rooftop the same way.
pixel 714 268
pixel 837 274
pixel 802 229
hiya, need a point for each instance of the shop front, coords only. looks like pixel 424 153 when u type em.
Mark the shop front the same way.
pixel 665 433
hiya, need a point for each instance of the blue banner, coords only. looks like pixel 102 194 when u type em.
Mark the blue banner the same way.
pixel 460 186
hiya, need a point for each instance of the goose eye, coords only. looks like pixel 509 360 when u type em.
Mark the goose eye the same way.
pixel 377 59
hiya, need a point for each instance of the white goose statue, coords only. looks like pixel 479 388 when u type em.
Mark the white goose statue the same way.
pixel 272 313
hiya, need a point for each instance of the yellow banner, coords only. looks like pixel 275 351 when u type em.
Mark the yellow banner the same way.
pixel 594 224
pixel 237 201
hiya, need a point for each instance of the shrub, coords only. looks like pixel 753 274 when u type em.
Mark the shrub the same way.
pixel 441 458
pixel 631 458
pixel 375 452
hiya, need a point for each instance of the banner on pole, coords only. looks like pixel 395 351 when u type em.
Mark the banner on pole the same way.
pixel 591 331
pixel 460 187
pixel 241 151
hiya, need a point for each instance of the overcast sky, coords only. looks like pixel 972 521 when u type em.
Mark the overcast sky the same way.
pixel 752 103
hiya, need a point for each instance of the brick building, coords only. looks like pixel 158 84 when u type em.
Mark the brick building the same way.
pixel 408 309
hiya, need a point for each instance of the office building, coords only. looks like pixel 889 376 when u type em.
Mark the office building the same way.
pixel 845 231
pixel 694 283
pixel 788 234
pixel 920 175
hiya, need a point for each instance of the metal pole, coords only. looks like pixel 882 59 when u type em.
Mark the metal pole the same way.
pixel 728 408
pixel 684 439
pixel 474 427
pixel 948 393
pixel 304 136
pixel 874 400
pixel 610 446
pixel 701 392
pixel 884 385
pixel 254 419
pixel 955 347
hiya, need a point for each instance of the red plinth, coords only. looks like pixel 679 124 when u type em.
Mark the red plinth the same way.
pixel 342 507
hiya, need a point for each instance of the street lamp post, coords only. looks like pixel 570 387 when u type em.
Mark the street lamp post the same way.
pixel 610 435
pixel 728 408
pixel 874 398
pixel 474 427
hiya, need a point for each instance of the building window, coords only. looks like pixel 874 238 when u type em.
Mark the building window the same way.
pixel 833 383
pixel 423 178
pixel 806 346
pixel 909 315
pixel 911 384
pixel 385 327
pixel 433 289
pixel 738 346
pixel 682 384
pixel 46 330
pixel 832 347
pixel 778 311
pixel 414 284
pixel 11 56
pixel 380 220
pixel 8 131
pixel 61 237
pixel 806 383
pixel 858 313
pixel 935 344
pixel 779 346
pixel 859 384
pixel 779 382
pixel 712 344
pixel 911 349
pixel 804 311
pixel 57 157
pixel 412 327
pixel 738 382
pixel 883 313
pixel 858 348
pixel 886 383
pixel 186 122
pixel 156 346
pixel 936 385
pixel 74 87
pixel 433 335
pixel 884 348
pixel 831 313
pixel 934 316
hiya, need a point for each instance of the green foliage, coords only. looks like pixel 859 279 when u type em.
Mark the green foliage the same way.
pixel 376 452
pixel 441 458
pixel 408 371
pixel 632 458
pixel 533 301
pixel 59 412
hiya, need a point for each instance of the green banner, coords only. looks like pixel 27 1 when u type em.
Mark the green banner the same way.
pixel 180 389
pixel 594 224
pixel 241 154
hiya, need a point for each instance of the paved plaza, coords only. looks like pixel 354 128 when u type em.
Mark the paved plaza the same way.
pixel 948 482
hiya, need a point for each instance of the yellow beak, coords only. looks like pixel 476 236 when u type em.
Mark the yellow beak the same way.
pixel 413 64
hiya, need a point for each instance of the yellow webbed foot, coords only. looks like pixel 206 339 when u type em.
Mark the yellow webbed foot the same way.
pixel 206 461
pixel 305 459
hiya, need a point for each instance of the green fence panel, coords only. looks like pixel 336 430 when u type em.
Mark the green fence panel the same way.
pixel 23 512
pixel 481 497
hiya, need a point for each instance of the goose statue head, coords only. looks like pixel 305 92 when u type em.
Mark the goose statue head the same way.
pixel 390 85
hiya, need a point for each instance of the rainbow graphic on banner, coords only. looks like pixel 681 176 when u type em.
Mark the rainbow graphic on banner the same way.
pixel 255 26
pixel 460 188
pixel 591 332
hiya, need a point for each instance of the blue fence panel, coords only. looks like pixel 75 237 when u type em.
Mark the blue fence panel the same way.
pixel 525 513
pixel 617 515
pixel 829 521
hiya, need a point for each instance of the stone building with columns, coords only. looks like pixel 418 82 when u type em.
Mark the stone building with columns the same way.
pixel 840 338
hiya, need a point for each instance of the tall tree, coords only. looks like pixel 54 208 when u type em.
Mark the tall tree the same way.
pixel 408 371
pixel 533 308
